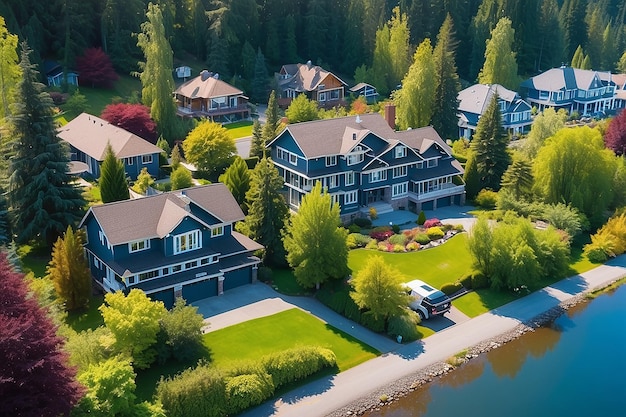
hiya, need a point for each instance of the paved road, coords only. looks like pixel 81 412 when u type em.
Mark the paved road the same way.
pixel 325 395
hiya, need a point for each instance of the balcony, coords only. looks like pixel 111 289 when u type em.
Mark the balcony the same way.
pixel 222 111
pixel 444 191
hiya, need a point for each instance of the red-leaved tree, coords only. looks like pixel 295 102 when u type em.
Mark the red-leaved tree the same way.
pixel 95 69
pixel 35 378
pixel 615 136
pixel 133 117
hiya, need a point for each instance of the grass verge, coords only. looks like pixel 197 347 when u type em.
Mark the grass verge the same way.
pixel 240 129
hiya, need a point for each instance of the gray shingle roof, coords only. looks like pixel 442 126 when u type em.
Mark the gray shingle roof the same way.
pixel 476 99
pixel 90 134
pixel 156 216
pixel 564 78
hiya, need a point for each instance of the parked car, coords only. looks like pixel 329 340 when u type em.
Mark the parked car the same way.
pixel 427 301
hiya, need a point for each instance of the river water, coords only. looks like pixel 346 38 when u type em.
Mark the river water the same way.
pixel 574 367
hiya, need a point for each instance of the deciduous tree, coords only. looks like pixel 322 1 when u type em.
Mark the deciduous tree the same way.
pixel 132 117
pixel 316 245
pixel 302 109
pixel 36 378
pixel 113 184
pixel 415 100
pixel 209 148
pixel 133 320
pixel 267 211
pixel 143 182
pixel 500 65
pixel 182 327
pixel 615 136
pixel 96 69
pixel 546 124
pixel 43 199
pixel 69 271
pixel 378 288
pixel 9 69
pixel 181 178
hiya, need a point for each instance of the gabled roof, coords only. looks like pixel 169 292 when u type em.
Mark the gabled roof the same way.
pixel 157 216
pixel 207 86
pixel 476 99
pixel 566 78
pixel 305 77
pixel 90 134
pixel 360 86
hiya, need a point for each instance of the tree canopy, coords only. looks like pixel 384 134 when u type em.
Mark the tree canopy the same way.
pixel 237 179
pixel 500 65
pixel 96 69
pixel 113 184
pixel 301 109
pixel 615 135
pixel 209 148
pixel 132 117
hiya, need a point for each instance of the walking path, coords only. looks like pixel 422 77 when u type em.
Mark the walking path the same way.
pixel 323 396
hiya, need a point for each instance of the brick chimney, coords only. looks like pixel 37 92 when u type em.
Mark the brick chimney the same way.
pixel 390 115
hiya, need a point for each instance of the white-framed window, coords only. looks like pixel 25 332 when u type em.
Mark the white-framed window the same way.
pixel 333 181
pixel 293 159
pixel 186 242
pixel 321 96
pixel 334 198
pixel 419 165
pixel 399 172
pixel 146 159
pixel 398 190
pixel 148 275
pixel 103 238
pixel 334 94
pixel 354 159
pixel 432 163
pixel 380 175
pixel 217 231
pixel 400 151
pixel 129 161
pixel 351 197
pixel 349 178
pixel 331 160
pixel 139 245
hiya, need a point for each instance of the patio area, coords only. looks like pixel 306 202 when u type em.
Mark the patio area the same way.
pixel 408 220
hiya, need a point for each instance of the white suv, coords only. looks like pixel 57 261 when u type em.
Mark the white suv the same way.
pixel 427 301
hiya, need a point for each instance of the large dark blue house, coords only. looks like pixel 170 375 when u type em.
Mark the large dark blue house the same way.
pixel 180 243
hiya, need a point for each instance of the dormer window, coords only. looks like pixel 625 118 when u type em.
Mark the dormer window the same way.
pixel 138 245
pixel 400 151
pixel 217 231
pixel 187 242
pixel 331 161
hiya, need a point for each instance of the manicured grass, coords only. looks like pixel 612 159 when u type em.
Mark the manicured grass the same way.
pixel 92 195
pixel 443 264
pixel 285 282
pixel 478 302
pixel 258 337
pixel 34 259
pixel 285 330
pixel 240 129
pixel 98 98
pixel 87 319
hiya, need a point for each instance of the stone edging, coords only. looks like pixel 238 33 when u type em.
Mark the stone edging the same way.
pixel 428 374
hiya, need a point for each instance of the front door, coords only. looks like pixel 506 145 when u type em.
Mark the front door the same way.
pixel 375 195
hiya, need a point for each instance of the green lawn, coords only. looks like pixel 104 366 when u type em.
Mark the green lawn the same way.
pixel 258 337
pixel 34 259
pixel 87 319
pixel 240 129
pixel 285 282
pixel 437 266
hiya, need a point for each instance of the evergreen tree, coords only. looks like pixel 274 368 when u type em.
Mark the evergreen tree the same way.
pixel 481 26
pixel 595 35
pixel 415 100
pixel 609 55
pixel 36 377
pixel 518 178
pixel 272 123
pixel 156 73
pixel 113 185
pixel 447 84
pixel 43 199
pixel 301 109
pixel 259 82
pixel 621 65
pixel 572 16
pixel 579 57
pixel 551 44
pixel 290 48
pixel 237 179
pixel 398 45
pixel 381 70
pixel 267 211
pixel 500 64
pixel 315 243
pixel 257 147
pixel 181 178
pixel 69 271
pixel 9 69
pixel 471 176
pixel 490 147
pixel 316 27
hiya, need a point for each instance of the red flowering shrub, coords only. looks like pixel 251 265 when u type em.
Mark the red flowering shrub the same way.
pixel 381 233
pixel 432 223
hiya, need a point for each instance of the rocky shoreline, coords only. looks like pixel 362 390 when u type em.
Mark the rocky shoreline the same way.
pixel 405 385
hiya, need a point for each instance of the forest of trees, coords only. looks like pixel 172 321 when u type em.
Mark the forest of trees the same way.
pixel 228 34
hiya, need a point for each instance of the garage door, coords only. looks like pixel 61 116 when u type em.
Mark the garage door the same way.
pixel 166 296
pixel 199 290
pixel 444 202
pixel 237 278
pixel 428 205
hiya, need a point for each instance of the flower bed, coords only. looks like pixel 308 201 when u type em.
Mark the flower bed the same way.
pixel 383 239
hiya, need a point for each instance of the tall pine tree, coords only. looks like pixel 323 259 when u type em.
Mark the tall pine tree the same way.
pixel 43 200
pixel 500 61
pixel 113 185
pixel 447 84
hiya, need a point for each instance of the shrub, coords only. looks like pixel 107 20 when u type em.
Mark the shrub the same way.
pixel 432 223
pixel 486 199
pixel 384 247
pixel 58 98
pixel 459 227
pixel 450 288
pixel 410 234
pixel 372 244
pixel 479 280
pixel 395 228
pixel 399 239
pixel 466 281
pixel 412 246
pixel 447 227
pixel 244 391
pixel 371 322
pixel 595 254
pixel 398 248
pixel 354 228
pixel 405 326
pixel 421 218
pixel 264 274
pixel 352 311
pixel 373 213
pixel 336 301
pixel 434 233
pixel 298 363
pixel 422 238
pixel 381 233
pixel 363 222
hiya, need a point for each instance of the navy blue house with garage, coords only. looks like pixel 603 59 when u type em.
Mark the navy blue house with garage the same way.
pixel 363 162
pixel 176 244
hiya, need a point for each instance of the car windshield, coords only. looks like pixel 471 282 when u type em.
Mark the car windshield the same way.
pixel 437 298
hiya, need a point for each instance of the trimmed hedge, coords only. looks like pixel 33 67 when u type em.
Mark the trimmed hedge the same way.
pixel 298 363
pixel 371 322
pixel 245 391
pixel 479 281
pixel 405 326
pixel 434 233
pixel 450 288
pixel 466 281
pixel 198 392
pixel 363 222
pixel 421 218
pixel 422 238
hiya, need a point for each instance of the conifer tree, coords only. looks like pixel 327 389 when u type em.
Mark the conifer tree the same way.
pixel 259 81
pixel 500 65
pixel 113 185
pixel 237 179
pixel 9 69
pixel 267 211
pixel 578 58
pixel 43 199
pixel 447 84
pixel 69 271
pixel 272 123
pixel 518 178
pixel 257 147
